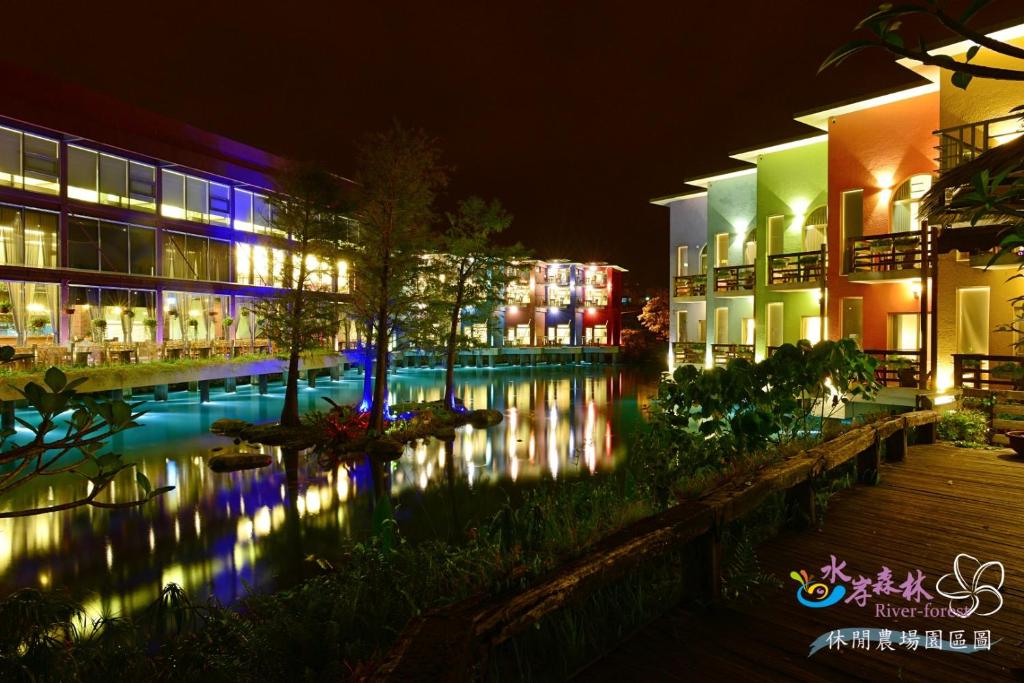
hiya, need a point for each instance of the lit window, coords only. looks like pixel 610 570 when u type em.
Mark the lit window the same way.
pixel 82 176
pixel 29 162
pixel 113 181
pixel 172 203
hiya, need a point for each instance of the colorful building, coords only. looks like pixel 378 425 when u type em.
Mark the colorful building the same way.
pixel 822 237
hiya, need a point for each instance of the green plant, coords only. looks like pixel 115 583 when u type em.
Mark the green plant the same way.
pixel 39 323
pixel 100 324
pixel 963 427
pixel 150 323
pixel 228 321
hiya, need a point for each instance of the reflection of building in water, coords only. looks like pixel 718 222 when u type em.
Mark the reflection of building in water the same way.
pixel 219 532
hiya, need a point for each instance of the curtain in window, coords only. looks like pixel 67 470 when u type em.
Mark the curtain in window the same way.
pixel 52 296
pixel 16 292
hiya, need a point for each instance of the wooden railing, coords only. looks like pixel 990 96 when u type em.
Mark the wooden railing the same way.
pixel 981 371
pixel 883 253
pixel 799 267
pixel 897 368
pixel 961 144
pixel 723 353
pixel 450 643
pixel 734 278
pixel 689 352
pixel 691 285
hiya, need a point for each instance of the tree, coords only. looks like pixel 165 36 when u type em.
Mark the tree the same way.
pixel 305 315
pixel 397 180
pixel 75 447
pixel 464 282
pixel 655 316
pixel 990 187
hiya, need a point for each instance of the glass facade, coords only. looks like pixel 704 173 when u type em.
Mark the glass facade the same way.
pixel 28 237
pixel 194 199
pixel 105 179
pixel 125 313
pixel 29 162
pixel 111 247
pixel 191 257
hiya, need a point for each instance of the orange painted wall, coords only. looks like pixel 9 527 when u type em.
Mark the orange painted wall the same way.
pixel 875 150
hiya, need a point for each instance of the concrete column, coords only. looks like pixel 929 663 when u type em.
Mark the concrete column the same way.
pixel 117 394
pixel 311 378
pixel 335 373
pixel 160 392
pixel 204 391
pixel 229 385
pixel 262 382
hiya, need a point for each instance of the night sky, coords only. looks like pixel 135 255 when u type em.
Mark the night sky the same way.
pixel 573 114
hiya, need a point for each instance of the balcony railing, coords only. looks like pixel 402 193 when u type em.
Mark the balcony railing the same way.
pixel 980 371
pixel 897 368
pixel 689 352
pixel 796 268
pixel 963 143
pixel 723 353
pixel 885 253
pixel 734 278
pixel 691 285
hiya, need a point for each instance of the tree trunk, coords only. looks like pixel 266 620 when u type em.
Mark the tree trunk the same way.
pixel 449 372
pixel 290 410
pixel 367 394
pixel 380 378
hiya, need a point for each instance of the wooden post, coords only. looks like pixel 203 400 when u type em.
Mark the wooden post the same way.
pixel 928 433
pixel 926 262
pixel 710 552
pixel 896 445
pixel 869 461
pixel 802 495
pixel 958 370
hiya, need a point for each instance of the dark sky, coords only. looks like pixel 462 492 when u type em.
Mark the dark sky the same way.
pixel 573 114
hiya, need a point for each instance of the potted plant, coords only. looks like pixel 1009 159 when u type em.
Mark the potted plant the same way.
pixel 194 324
pixel 128 313
pixel 39 323
pixel 227 323
pixel 5 308
pixel 70 310
pixel 99 330
pixel 1016 438
pixel 150 324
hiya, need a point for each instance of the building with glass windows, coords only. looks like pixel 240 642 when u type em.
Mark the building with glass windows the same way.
pixel 111 213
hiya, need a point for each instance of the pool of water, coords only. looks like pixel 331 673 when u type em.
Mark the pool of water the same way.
pixel 221 534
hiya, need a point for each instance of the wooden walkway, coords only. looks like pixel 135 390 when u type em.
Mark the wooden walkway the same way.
pixel 939 502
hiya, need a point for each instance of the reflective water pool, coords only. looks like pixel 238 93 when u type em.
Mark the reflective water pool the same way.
pixel 221 533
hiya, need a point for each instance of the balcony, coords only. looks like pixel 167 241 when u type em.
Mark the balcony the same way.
pixel 721 354
pixel 734 280
pixel 961 144
pixel 797 271
pixel 995 373
pixel 896 256
pixel 689 353
pixel 897 368
pixel 691 285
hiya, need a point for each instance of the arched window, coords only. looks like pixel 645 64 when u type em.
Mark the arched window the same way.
pixel 906 202
pixel 704 259
pixel 816 229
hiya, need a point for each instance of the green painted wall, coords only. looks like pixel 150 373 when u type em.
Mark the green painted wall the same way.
pixel 791 183
pixel 732 210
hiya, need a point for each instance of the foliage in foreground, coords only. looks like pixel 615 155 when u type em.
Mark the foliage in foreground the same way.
pixel 965 428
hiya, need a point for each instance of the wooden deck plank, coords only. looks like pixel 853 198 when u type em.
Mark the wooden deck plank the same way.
pixel 938 502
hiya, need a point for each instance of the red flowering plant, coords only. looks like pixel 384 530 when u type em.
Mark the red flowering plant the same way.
pixel 346 424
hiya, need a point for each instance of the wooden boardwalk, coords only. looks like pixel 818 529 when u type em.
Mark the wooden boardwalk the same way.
pixel 939 502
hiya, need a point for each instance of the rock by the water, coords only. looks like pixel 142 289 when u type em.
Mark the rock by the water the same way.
pixel 232 462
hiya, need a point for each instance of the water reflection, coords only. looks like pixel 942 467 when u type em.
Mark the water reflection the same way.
pixel 222 533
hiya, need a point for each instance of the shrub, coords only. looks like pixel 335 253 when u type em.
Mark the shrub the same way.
pixel 966 427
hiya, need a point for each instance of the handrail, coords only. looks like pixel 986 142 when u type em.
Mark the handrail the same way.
pixel 892 251
pixel 896 367
pixel 976 371
pixel 733 278
pixel 691 285
pixel 723 353
pixel 447 643
pixel 960 144
pixel 689 352
pixel 795 267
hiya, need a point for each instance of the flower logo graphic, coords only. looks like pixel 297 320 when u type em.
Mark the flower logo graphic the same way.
pixel 816 594
pixel 965 587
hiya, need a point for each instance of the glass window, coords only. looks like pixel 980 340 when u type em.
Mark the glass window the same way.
pixel 243 210
pixel 83 243
pixel 10 157
pixel 172 203
pixel 197 206
pixel 174 255
pixel 243 263
pixel 142 250
pixel 113 247
pixel 220 204
pixel 142 187
pixel 113 181
pixel 10 229
pixel 82 180
pixel 198 257
pixel 219 260
pixel 39 161
pixel 40 246
pixel 260 213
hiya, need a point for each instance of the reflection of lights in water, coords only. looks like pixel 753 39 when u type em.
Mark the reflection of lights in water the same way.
pixel 532 449
pixel 177 529
pixel 300 504
pixel 44 578
pixel 342 486
pixel 110 554
pixel 441 456
pixel 552 442
pixel 423 479
pixel 173 574
pixel 608 441
pixel 152 539
pixel 589 449
pixel 487 452
pixel 261 521
pixel 244 529
pixel 421 452
pixel 198 525
pixel 282 491
pixel 241 504
pixel 470 471
pixel 514 468
pixel 49 493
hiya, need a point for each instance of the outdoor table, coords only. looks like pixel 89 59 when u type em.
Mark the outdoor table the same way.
pixel 203 351
pixel 125 355
pixel 82 357
pixel 20 360
pixel 173 353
